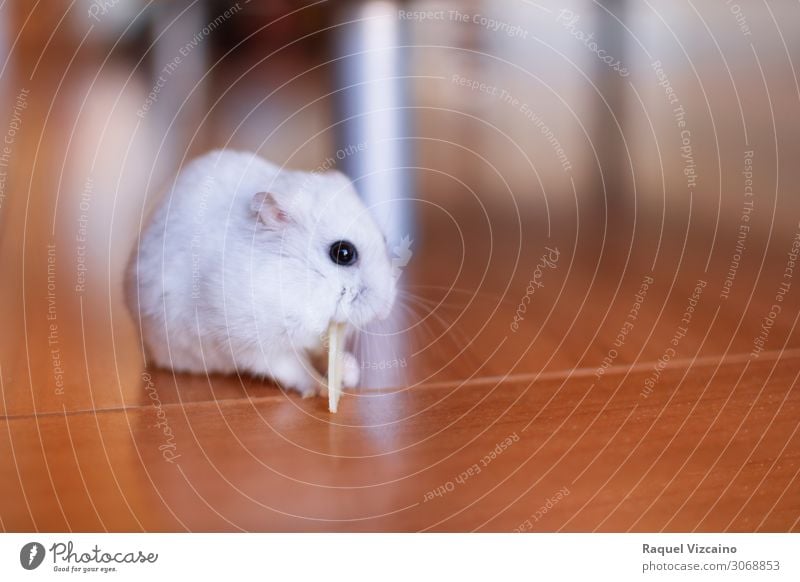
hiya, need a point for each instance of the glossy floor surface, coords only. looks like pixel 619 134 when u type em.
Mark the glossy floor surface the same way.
pixel 561 357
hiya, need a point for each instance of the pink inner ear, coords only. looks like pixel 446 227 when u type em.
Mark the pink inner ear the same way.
pixel 269 211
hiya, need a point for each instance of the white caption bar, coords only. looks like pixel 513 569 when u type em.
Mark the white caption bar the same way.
pixel 353 557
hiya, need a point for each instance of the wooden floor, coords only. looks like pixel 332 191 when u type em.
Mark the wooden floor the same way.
pixel 470 425
pixel 583 366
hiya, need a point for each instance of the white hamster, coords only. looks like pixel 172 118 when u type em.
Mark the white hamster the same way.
pixel 243 266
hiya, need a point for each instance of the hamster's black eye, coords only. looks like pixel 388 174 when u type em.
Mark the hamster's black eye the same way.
pixel 343 253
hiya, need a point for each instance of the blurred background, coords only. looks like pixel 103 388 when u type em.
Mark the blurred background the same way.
pixel 626 141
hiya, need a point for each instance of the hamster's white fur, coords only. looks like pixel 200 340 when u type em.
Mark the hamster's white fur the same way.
pixel 233 274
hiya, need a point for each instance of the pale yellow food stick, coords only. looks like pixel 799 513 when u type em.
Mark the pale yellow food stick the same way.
pixel 335 364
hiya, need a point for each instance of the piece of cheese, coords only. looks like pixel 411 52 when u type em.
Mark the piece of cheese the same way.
pixel 335 364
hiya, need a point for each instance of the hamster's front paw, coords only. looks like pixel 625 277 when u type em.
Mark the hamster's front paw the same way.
pixel 310 390
pixel 310 386
pixel 351 372
pixel 296 374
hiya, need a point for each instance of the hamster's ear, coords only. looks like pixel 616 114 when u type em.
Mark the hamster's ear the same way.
pixel 270 214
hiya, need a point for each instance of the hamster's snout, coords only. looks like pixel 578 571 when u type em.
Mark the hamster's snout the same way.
pixel 368 303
